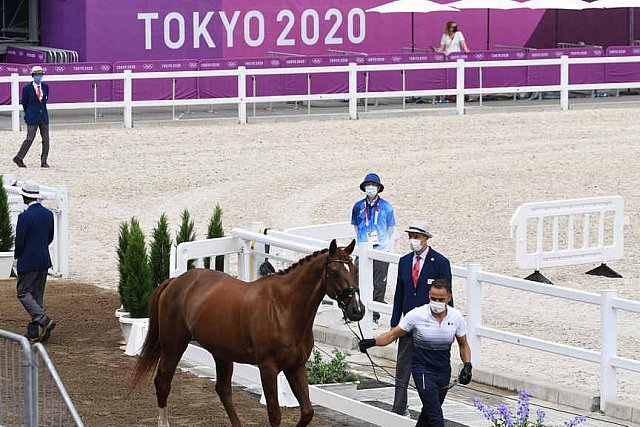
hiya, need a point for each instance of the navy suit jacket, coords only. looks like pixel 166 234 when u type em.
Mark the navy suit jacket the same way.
pixel 35 111
pixel 436 266
pixel 34 234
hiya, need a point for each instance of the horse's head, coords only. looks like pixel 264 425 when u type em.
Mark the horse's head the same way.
pixel 341 283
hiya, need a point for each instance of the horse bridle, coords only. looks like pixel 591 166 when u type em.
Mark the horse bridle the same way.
pixel 345 293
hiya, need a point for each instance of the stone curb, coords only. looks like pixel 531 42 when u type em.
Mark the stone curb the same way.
pixel 579 399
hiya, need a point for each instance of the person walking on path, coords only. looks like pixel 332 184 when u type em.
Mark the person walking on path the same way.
pixel 434 326
pixel 417 271
pixel 34 104
pixel 34 234
pixel 374 221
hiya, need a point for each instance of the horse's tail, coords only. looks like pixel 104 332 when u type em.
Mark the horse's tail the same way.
pixel 150 355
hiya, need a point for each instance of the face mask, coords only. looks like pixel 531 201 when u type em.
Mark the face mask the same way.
pixel 371 190
pixel 416 244
pixel 437 307
pixel 454 29
pixel 37 79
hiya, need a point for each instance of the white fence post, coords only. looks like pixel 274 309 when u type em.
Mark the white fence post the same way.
pixel 460 86
pixel 15 102
pixel 353 91
pixel 564 82
pixel 608 343
pixel 62 204
pixel 474 313
pixel 242 95
pixel 256 227
pixel 128 97
pixel 365 283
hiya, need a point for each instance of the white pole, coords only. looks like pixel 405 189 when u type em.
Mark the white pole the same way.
pixel 353 91
pixel 564 82
pixel 460 86
pixel 128 110
pixel 242 95
pixel 62 202
pixel 365 282
pixel 608 344
pixel 15 103
pixel 474 313
pixel 256 227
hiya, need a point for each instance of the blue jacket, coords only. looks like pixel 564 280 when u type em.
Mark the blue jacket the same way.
pixel 34 234
pixel 436 266
pixel 34 110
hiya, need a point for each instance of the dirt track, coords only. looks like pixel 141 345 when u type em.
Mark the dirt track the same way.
pixel 84 348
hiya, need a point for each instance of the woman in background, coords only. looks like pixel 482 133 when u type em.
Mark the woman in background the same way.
pixel 452 40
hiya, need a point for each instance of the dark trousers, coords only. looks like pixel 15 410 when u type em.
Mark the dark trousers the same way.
pixel 403 373
pixel 432 391
pixel 31 135
pixel 380 270
pixel 30 288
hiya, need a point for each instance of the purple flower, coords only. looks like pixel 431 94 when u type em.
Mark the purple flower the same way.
pixel 523 407
pixel 575 421
pixel 489 412
pixel 506 415
pixel 540 413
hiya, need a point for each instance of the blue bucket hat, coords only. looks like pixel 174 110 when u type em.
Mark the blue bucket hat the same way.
pixel 372 177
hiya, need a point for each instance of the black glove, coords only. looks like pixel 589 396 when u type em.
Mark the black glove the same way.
pixel 367 343
pixel 464 377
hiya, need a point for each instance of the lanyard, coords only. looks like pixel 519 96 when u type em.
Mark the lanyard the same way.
pixel 366 212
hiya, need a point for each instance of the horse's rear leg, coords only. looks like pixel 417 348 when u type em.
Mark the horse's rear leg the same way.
pixel 269 378
pixel 166 370
pixel 224 372
pixel 297 378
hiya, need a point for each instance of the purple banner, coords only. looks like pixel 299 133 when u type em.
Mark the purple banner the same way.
pixel 157 89
pixel 5 88
pixel 227 87
pixel 23 55
pixel 491 77
pixel 578 74
pixel 623 73
pixel 382 81
pixel 80 91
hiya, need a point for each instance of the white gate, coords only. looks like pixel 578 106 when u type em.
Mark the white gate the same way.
pixel 561 232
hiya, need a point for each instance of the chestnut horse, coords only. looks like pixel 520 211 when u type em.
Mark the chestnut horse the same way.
pixel 268 322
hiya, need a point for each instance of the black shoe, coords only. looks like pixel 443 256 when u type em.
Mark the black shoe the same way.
pixel 44 165
pixel 46 331
pixel 18 161
pixel 32 338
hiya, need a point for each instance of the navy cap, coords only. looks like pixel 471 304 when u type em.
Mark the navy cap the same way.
pixel 372 177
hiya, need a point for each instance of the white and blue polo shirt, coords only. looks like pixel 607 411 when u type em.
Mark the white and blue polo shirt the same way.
pixel 432 339
pixel 373 217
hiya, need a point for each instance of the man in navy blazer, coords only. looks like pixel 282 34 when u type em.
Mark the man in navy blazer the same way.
pixel 416 272
pixel 34 104
pixel 34 234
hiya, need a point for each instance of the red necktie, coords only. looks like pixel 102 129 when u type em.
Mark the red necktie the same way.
pixel 38 93
pixel 416 272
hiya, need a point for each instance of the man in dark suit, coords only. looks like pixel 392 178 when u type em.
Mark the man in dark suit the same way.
pixel 34 234
pixel 416 272
pixel 34 104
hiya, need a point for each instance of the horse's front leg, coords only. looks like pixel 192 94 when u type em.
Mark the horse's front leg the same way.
pixel 269 378
pixel 297 377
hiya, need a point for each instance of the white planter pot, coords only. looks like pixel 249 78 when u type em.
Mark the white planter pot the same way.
pixel 6 262
pixel 134 332
pixel 120 312
pixel 343 389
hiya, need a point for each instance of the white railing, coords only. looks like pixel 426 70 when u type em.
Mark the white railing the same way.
pixel 352 95
pixel 607 357
pixel 59 196
pixel 577 246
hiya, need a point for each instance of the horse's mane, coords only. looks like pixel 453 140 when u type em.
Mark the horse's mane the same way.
pixel 302 261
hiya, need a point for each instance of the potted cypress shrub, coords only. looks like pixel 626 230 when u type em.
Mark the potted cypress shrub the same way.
pixel 159 251
pixel 123 238
pixel 214 231
pixel 333 375
pixel 6 234
pixel 186 233
pixel 137 283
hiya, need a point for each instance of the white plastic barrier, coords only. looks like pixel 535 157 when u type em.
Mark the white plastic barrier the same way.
pixel 59 196
pixel 577 246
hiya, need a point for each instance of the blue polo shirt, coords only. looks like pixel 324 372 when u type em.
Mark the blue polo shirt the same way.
pixel 432 339
pixel 369 217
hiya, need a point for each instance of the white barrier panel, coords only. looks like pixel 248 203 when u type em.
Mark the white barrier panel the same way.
pixel 59 196
pixel 563 232
pixel 327 232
